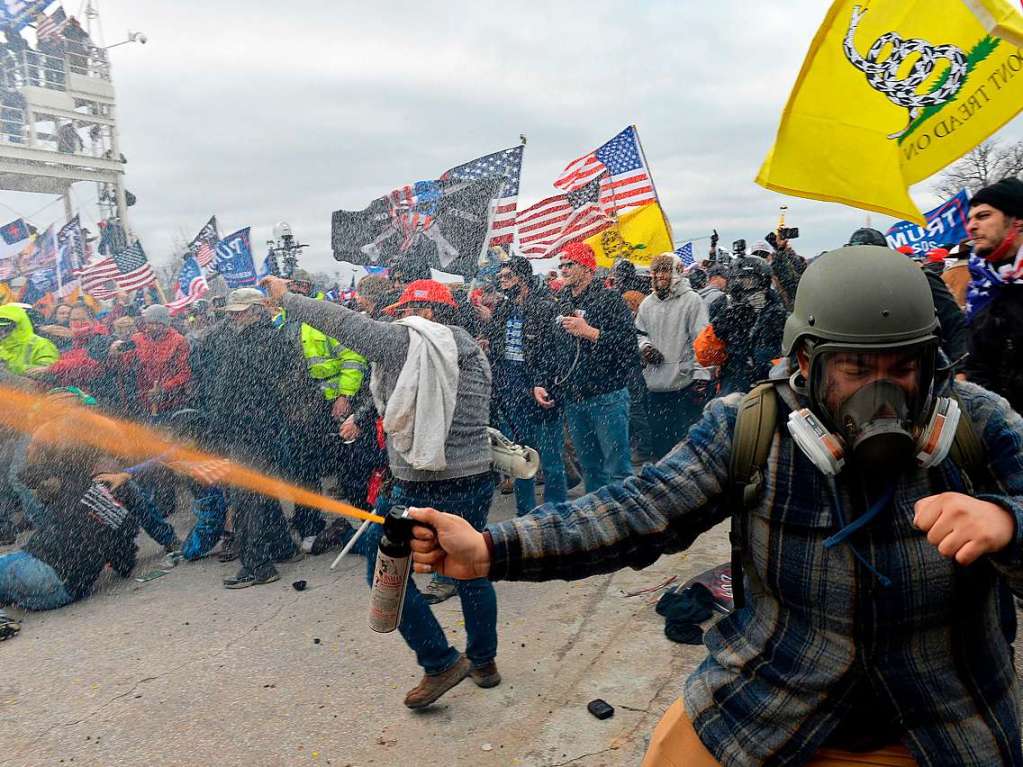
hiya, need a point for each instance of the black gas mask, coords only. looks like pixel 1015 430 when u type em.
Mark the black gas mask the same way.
pixel 877 426
pixel 882 428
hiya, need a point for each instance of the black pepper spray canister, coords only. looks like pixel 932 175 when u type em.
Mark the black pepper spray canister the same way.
pixel 391 574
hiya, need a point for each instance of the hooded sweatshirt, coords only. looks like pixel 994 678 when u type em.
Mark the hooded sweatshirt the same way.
pixel 23 349
pixel 670 325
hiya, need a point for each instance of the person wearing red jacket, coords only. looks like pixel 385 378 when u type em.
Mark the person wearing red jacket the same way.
pixel 83 363
pixel 163 374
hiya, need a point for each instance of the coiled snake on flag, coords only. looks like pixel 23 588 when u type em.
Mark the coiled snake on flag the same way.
pixel 883 75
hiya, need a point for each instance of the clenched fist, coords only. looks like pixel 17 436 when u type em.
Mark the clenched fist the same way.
pixel 964 528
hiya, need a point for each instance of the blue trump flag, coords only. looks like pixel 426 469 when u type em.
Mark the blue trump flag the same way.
pixel 234 259
pixel 946 225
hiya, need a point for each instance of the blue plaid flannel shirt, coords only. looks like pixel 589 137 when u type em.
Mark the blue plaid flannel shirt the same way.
pixel 780 673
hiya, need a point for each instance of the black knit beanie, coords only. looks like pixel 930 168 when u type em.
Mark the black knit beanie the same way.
pixel 1005 195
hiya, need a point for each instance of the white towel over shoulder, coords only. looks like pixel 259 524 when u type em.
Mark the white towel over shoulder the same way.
pixel 418 413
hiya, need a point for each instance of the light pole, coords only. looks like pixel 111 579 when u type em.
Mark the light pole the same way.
pixel 284 250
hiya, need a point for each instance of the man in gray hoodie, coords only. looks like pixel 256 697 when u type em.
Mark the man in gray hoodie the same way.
pixel 445 464
pixel 668 321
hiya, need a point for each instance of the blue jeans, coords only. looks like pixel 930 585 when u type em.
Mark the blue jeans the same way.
pixel 30 583
pixel 548 439
pixel 470 499
pixel 672 413
pixel 30 505
pixel 210 509
pixel 600 431
pixel 156 527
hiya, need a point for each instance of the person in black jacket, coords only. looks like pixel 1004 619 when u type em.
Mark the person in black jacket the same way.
pixel 995 298
pixel 596 334
pixel 519 343
pixel 250 411
pixel 745 337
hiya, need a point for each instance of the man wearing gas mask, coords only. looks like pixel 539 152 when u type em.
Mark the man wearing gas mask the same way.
pixel 745 336
pixel 873 547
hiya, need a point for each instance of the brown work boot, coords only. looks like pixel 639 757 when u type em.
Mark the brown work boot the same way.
pixel 486 676
pixel 433 686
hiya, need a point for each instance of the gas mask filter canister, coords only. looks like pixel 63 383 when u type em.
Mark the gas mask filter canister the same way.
pixel 876 429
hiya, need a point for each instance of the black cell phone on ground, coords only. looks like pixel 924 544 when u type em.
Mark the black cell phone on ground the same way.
pixel 600 709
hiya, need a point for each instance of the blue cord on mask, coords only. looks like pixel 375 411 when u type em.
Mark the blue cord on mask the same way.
pixel 843 534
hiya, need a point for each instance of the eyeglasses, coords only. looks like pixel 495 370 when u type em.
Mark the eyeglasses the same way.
pixel 566 265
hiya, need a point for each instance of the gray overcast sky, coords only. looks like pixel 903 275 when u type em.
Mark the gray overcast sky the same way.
pixel 265 111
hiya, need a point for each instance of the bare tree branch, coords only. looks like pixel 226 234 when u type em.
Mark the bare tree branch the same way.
pixel 985 164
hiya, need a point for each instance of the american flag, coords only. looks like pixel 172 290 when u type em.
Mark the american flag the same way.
pixel 412 209
pixel 508 164
pixel 685 254
pixel 551 224
pixel 127 270
pixel 209 472
pixel 204 244
pixel 191 286
pixel 52 25
pixel 621 169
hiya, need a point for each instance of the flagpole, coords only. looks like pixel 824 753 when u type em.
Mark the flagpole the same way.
pixel 650 173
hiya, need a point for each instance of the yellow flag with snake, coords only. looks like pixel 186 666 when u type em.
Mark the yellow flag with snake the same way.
pixel 891 92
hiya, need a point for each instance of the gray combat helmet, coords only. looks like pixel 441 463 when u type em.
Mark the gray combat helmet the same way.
pixel 862 296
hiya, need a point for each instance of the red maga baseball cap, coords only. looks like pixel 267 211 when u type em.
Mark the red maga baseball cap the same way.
pixel 423 292
pixel 580 253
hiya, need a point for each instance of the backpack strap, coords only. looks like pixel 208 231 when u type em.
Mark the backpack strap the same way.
pixel 968 451
pixel 755 425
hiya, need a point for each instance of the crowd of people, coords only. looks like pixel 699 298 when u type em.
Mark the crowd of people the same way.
pixel 628 386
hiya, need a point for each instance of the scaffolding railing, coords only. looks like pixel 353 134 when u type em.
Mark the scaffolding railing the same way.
pixel 44 70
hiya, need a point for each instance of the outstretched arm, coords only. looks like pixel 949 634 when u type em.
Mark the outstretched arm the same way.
pixel 663 510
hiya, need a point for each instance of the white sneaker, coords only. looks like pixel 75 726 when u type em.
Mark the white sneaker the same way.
pixel 307 544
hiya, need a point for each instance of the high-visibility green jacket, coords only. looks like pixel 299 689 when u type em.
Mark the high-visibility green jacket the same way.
pixel 338 370
pixel 23 349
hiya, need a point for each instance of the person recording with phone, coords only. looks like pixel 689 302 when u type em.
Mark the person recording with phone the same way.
pixel 787 265
pixel 595 326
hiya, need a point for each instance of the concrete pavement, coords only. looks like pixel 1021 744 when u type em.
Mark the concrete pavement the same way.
pixel 178 671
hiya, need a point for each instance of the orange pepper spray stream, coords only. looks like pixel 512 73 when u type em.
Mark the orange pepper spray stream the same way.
pixel 25 411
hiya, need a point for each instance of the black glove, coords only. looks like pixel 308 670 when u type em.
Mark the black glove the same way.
pixel 652 355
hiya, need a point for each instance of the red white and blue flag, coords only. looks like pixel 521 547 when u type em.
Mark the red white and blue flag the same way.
pixel 549 225
pixel 619 165
pixel 685 254
pixel 412 210
pixel 128 270
pixel 191 286
pixel 51 26
pixel 204 245
pixel 506 164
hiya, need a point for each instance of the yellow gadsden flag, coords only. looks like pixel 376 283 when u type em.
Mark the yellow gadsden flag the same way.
pixel 891 92
pixel 638 236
